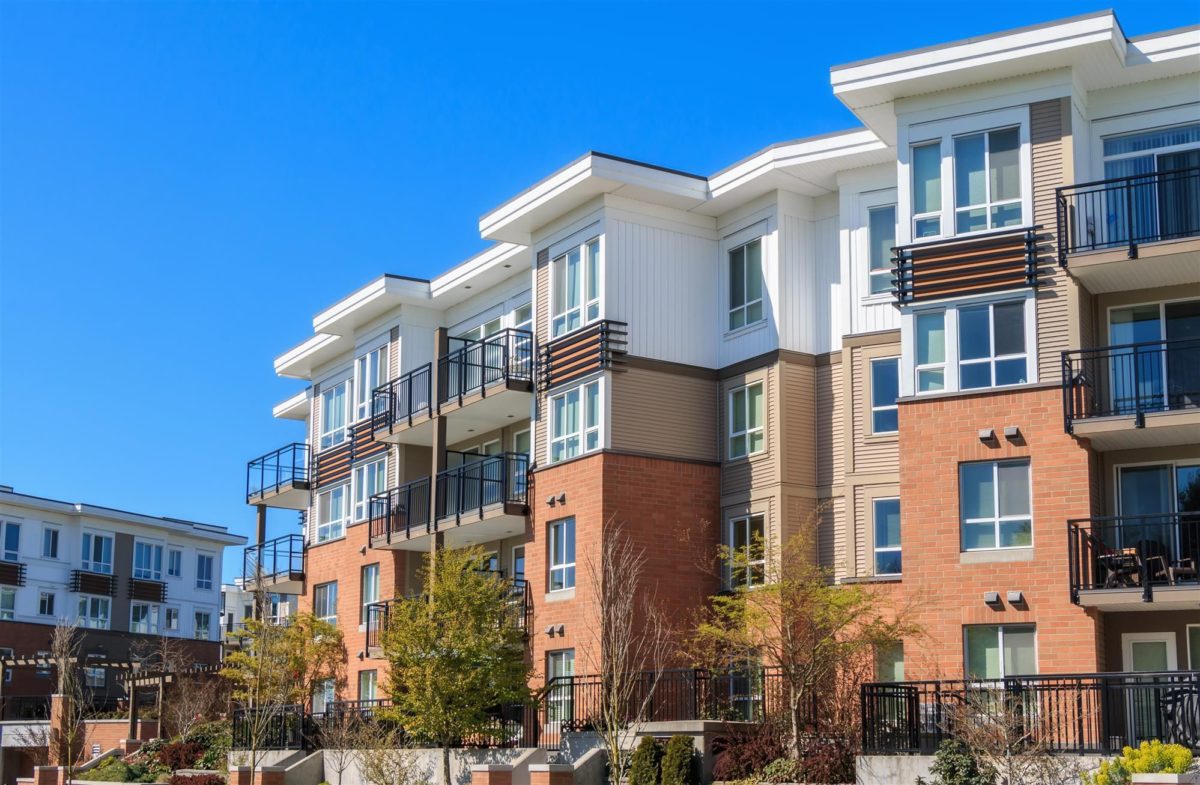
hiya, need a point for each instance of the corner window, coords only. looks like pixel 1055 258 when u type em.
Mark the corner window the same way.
pixel 94 612
pixel 886 514
pixel 994 497
pixel 97 553
pixel 991 345
pixel 369 589
pixel 881 239
pixel 325 602
pixel 575 276
pixel 745 537
pixel 369 479
pixel 331 513
pixel 575 422
pixel 745 285
pixel 46 603
pixel 562 554
pixel 50 542
pixel 333 415
pixel 995 651
pixel 746 431
pixel 885 389
pixel 174 563
pixel 147 561
pixel 203 630
pixel 10 543
pixel 204 571
pixel 8 604
pixel 370 371
pixel 143 618
pixel 987 181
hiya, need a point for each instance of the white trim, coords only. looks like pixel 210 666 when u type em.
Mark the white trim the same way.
pixel 1130 638
pixel 875 549
pixel 761 428
pixel 582 431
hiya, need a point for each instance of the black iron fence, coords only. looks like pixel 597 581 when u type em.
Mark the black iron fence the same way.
pixel 402 400
pixel 270 473
pixel 282 557
pixel 1124 212
pixel 474 364
pixel 1078 713
pixel 1134 552
pixel 273 728
pixel 481 482
pixel 400 513
pixel 1131 380
pixel 519 610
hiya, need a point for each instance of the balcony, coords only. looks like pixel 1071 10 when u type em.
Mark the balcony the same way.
pixel 1135 395
pixel 483 384
pixel 1131 232
pixel 1120 563
pixel 280 478
pixel 483 499
pixel 147 590
pixel 599 346
pixel 87 582
pixel 275 565
pixel 12 573
pixel 401 410
pixel 975 264
pixel 400 515
pixel 1094 713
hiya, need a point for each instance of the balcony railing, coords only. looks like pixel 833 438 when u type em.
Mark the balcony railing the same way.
pixel 599 346
pixel 1131 380
pixel 403 400
pixel 286 467
pixel 480 483
pixel 275 728
pixel 12 573
pixel 1135 552
pixel 474 365
pixel 400 513
pixel 1096 713
pixel 972 264
pixel 520 608
pixel 282 557
pixel 1124 212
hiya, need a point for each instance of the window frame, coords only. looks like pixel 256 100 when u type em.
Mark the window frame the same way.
pixel 54 535
pixel 731 524
pixel 997 520
pixel 205 583
pixel 1037 666
pixel 361 507
pixel 374 681
pixel 198 628
pixel 582 431
pixel 42 595
pixel 589 308
pixel 334 528
pixel 567 569
pixel 330 437
pixel 875 547
pixel 151 625
pixel 8 603
pixel 894 406
pixel 991 359
pixel 328 596
pixel 87 563
pixel 13 555
pixel 371 361
pixel 748 432
pixel 871 203
pixel 362 589
pixel 86 603
pixel 174 562
pixel 153 572
pixel 744 307
pixel 168 610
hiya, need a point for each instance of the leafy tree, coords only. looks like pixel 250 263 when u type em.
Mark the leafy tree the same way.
pixel 285 662
pixel 456 653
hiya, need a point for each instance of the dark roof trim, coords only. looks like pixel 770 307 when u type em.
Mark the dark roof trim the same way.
pixel 635 162
pixel 194 524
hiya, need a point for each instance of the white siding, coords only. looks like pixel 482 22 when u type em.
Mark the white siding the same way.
pixel 810 276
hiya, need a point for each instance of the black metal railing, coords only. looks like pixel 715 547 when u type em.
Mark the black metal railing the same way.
pixel 1075 713
pixel 400 513
pixel 1131 380
pixel 276 728
pixel 403 400
pixel 377 619
pixel 1124 212
pixel 270 473
pixel 474 365
pixel 282 557
pixel 1134 552
pixel 480 483
pixel 519 611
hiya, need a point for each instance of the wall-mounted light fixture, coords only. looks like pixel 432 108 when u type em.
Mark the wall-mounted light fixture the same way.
pixel 987 435
pixel 1015 597
pixel 991 598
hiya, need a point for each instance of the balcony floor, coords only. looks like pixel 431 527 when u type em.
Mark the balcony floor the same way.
pixel 1166 263
pixel 290 496
pixel 1163 429
pixel 1166 598
pixel 400 432
pixel 493 407
pixel 497 522
pixel 282 583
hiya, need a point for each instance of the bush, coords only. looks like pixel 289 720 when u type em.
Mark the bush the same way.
pixel 954 764
pixel 196 779
pixel 644 767
pixel 780 770
pixel 111 770
pixel 826 759
pixel 746 751
pixel 1151 757
pixel 217 739
pixel 180 754
pixel 679 762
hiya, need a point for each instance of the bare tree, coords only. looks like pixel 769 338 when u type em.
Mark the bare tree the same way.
pixel 34 740
pixel 185 697
pixel 340 732
pixel 65 739
pixel 382 759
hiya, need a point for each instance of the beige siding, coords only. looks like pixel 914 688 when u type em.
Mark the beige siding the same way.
pixel 314 419
pixel 797 419
pixel 541 320
pixel 830 444
pixel 661 413
pixel 1054 329
pixel 831 536
pixel 394 354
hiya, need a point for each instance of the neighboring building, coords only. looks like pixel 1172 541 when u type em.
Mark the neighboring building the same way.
pixel 237 605
pixel 963 337
pixel 124 578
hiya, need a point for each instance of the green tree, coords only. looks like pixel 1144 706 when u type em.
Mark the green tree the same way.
pixel 679 761
pixel 644 765
pixel 285 663
pixel 455 652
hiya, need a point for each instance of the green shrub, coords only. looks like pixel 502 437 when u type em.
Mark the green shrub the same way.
pixel 1150 757
pixel 644 767
pixel 110 770
pixel 196 779
pixel 954 764
pixel 217 739
pixel 679 762
pixel 781 770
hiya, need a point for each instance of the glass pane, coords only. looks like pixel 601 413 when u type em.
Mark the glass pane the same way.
pixel 572 284
pixel 969 181
pixel 569 540
pixel 737 446
pixel 754 272
pixel 978 494
pixel 1138 324
pixel 887 523
pixel 593 277
pixel 885 382
pixel 1016 534
pixel 931 338
pixel 974 376
pixel 885 421
pixel 881 283
pixel 1149 656
pixel 754 312
pixel 1008 325
pixel 887 563
pixel 1014 488
pixel 881 231
pixel 1006 215
pixel 974 335
pixel 983 652
pixel 1020 651
pixel 737 403
pixel 740 535
pixel 755 441
pixel 979 535
pixel 971 220
pixel 1003 168
pixel 592 416
pixel 756 406
pixel 889 663
pixel 927 227
pixel 737 277
pixel 927 178
pixel 1149 140
pixel 930 380
pixel 1194 647
pixel 1010 371
pixel 737 318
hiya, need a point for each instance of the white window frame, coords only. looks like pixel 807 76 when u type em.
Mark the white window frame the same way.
pixel 334 528
pixel 370 372
pixel 364 489
pixel 590 308
pixel 202 582
pixel 150 626
pixel 331 436
pixel 744 306
pixel 367 597
pixel 54 533
pixel 1037 666
pixel 992 358
pixel 5 553
pixel 331 618
pixel 8 603
pixel 372 678
pixel 559 663
pixel 581 432
pixel 987 204
pixel 94 677
pixel 748 432
pixel 154 571
pixel 868 203
pixel 42 595
pixel 895 405
pixel 88 549
pixel 168 611
pixel 556 528
pixel 90 602
pixel 760 563
pixel 996 519
pixel 202 632
pixel 876 549
pixel 174 562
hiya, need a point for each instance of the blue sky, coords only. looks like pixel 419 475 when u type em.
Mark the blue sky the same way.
pixel 184 184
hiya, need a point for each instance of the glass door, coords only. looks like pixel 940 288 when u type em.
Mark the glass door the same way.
pixel 1148 652
pixel 1135 365
pixel 1181 326
pixel 1178 195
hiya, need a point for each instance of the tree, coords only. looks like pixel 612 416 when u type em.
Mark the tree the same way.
pixel 456 653
pixel 67 729
pixel 190 697
pixel 340 734
pixel 382 759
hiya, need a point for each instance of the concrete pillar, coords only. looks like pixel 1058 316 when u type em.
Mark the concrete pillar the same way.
pixel 48 775
pixel 551 774
pixel 133 714
pixel 129 746
pixel 491 774
pixel 260 528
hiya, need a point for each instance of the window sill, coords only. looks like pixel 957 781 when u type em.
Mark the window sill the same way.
pixel 873 579
pixel 730 335
pixel 937 396
pixel 888 436
pixel 561 595
pixel 996 555
pixel 750 459
pixel 886 298
pixel 330 541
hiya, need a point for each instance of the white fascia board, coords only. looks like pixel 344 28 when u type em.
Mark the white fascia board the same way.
pixel 298 362
pixel 1165 47
pixel 206 531
pixel 462 274
pixel 368 302
pixel 293 408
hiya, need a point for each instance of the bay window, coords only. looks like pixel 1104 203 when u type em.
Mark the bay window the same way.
pixel 987 181
pixel 745 285
pixel 991 345
pixel 334 404
pixel 746 418
pixel 575 293
pixel 575 422
pixel 996 505
pixel 331 513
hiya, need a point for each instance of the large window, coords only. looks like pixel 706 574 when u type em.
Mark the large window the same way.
pixel 745 285
pixel 369 590
pixel 927 190
pixel 562 554
pixel 576 288
pixel 204 571
pixel 143 618
pixel 889 662
pixel 575 422
pixel 881 238
pixel 885 389
pixel 8 604
pixel 147 561
pixel 368 682
pixel 331 513
pixel 887 536
pixel 370 371
pixel 203 628
pixel 333 415
pixel 50 542
pixel 560 665
pixel 174 562
pixel 745 537
pixel 97 553
pixel 987 181
pixel 325 601
pixel 991 345
pixel 369 479
pixel 994 497
pixel 94 612
pixel 994 651
pixel 10 543
pixel 746 430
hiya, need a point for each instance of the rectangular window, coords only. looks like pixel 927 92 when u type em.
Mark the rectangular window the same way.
pixel 371 371
pixel 994 497
pixel 746 539
pixel 575 422
pixel 885 389
pixel 746 432
pixel 203 625
pixel 171 620
pixel 325 601
pixel 927 190
pixel 931 351
pixel 94 612
pixel 143 618
pixel 174 563
pixel 996 651
pixel 987 180
pixel 367 683
pixel 46 603
pixel 889 662
pixel 881 239
pixel 49 542
pixel 8 604
pixel 10 544
pixel 562 554
pixel 333 415
pixel 991 345
pixel 560 666
pixel 370 589
pixel 369 479
pixel 97 553
pixel 204 571
pixel 887 536
pixel 324 694
pixel 147 561
pixel 575 300
pixel 93 677
pixel 1193 636
pixel 746 285
pixel 331 513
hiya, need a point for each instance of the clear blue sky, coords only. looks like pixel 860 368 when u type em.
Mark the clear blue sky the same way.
pixel 184 184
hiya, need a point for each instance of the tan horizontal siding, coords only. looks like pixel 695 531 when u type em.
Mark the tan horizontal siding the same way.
pixel 830 443
pixel 662 413
pixel 1053 307
pixel 798 423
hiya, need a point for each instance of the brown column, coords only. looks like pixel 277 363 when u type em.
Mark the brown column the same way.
pixel 441 345
pixel 57 754
pixel 133 715
pixel 260 511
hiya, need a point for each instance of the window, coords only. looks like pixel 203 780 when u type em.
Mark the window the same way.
pixel 371 371
pixel 562 554
pixel 325 601
pixel 94 612
pixel 576 282
pixel 10 545
pixel 46 603
pixel 1193 637
pixel 171 620
pixel 8 604
pixel 987 180
pixel 93 677
pixel 994 497
pixel 927 190
pixel 887 536
pixel 889 662
pixel 991 345
pixel 575 422
pixel 559 665
pixel 370 589
pixel 97 553
pixel 174 563
pixel 931 351
pixel 995 651
pixel 745 285
pixel 204 571
pixel 331 514
pixel 324 694
pixel 369 479
pixel 147 561
pixel 745 537
pixel 43 667
pixel 746 434
pixel 881 238
pixel 885 389
pixel 143 618
pixel 203 625
pixel 333 415
pixel 367 682
pixel 49 542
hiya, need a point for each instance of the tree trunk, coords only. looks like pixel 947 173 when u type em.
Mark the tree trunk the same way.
pixel 446 764
pixel 795 722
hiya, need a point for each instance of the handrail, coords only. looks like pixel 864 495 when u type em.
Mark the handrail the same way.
pixel 481 362
pixel 403 399
pixel 1130 380
pixel 477 485
pixel 289 465
pixel 273 558
pixel 398 513
pixel 1134 552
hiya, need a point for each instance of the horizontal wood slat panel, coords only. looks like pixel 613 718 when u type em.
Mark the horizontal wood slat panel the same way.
pixel 333 466
pixel 592 349
pixel 12 573
pixel 950 268
pixel 150 591
pixel 93 583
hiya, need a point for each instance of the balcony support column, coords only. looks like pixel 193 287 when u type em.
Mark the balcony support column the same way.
pixel 441 345
pixel 260 514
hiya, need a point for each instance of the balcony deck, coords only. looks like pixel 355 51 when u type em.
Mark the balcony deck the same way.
pixel 275 565
pixel 280 478
pixel 485 384
pixel 401 410
pixel 482 500
pixel 1135 562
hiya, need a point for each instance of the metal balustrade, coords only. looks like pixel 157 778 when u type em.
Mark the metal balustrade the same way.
pixel 1131 380
pixel 286 467
pixel 1134 552
pixel 400 513
pixel 481 482
pixel 476 364
pixel 282 557
pixel 403 400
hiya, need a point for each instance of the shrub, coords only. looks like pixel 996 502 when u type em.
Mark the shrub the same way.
pixel 1150 757
pixel 196 779
pixel 826 759
pixel 110 770
pixel 217 739
pixel 180 754
pixel 954 764
pixel 679 762
pixel 644 766
pixel 746 751
pixel 780 770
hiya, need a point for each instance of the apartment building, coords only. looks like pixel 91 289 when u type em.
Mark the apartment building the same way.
pixel 123 578
pixel 961 337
